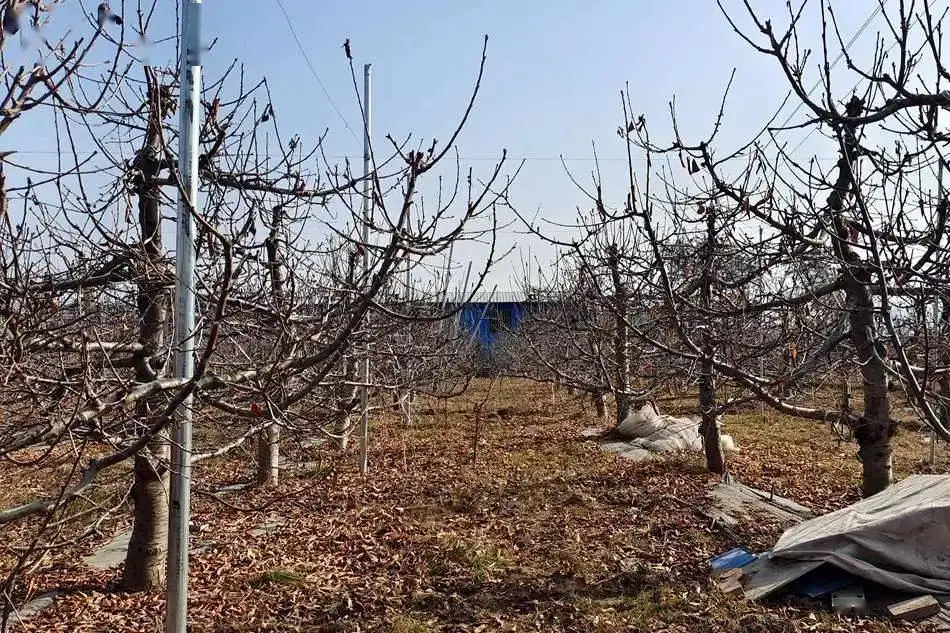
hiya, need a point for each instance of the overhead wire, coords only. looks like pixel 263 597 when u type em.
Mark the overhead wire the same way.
pixel 818 82
pixel 844 51
pixel 313 70
pixel 339 113
pixel 462 157
pixel 855 87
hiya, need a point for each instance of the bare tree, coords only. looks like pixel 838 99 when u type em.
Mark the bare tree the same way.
pixel 144 563
pixel 580 332
pixel 709 426
pixel 83 349
pixel 869 221
pixel 268 443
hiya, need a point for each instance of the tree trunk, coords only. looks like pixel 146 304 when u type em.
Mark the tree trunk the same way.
pixel 345 402
pixel 145 558
pixel 709 424
pixel 343 431
pixel 268 456
pixel 268 440
pixel 875 428
pixel 943 384
pixel 345 398
pixel 600 402
pixel 621 337
pixel 407 408
pixel 148 546
pixel 875 451
pixel 846 407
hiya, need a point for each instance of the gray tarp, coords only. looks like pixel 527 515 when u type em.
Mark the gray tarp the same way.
pixel 898 538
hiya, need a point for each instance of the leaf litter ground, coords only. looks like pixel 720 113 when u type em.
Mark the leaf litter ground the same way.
pixel 545 532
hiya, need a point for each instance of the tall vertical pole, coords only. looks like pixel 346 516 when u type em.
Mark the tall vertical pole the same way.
pixel 367 219
pixel 530 288
pixel 180 503
pixel 937 324
pixel 80 304
pixel 411 377
pixel 761 298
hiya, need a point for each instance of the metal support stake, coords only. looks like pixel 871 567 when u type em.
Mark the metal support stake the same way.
pixel 176 619
pixel 367 219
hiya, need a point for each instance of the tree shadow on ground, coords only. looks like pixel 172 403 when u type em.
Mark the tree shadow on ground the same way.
pixel 465 600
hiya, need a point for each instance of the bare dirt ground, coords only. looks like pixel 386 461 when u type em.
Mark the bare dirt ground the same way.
pixel 544 531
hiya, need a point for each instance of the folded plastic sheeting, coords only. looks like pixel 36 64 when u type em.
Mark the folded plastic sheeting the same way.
pixel 898 538
pixel 658 433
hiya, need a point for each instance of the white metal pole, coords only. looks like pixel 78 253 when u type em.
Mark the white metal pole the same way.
pixel 80 308
pixel 937 324
pixel 180 502
pixel 761 298
pixel 367 218
pixel 410 377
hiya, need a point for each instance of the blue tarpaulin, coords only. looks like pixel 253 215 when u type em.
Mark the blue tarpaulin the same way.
pixel 487 322
pixel 732 559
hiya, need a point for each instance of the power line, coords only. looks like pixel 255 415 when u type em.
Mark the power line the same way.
pixel 837 59
pixel 313 70
pixel 815 128
pixel 844 51
pixel 566 159
pixel 464 158
pixel 858 83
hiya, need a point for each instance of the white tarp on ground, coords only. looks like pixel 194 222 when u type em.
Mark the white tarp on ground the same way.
pixel 898 538
pixel 648 429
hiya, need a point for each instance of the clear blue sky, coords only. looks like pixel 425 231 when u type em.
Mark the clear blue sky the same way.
pixel 551 88
pixel 554 72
